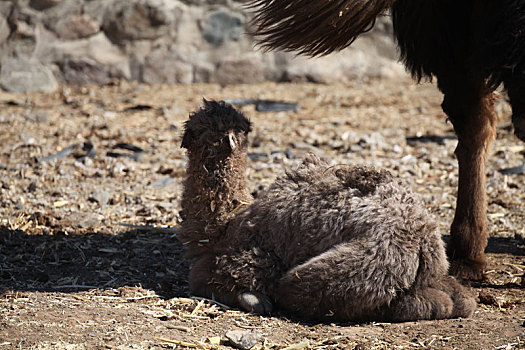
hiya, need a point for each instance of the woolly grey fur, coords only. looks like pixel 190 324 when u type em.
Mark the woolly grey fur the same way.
pixel 340 243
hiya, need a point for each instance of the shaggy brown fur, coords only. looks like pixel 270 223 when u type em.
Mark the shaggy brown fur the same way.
pixel 282 24
pixel 216 183
pixel 471 46
pixel 338 243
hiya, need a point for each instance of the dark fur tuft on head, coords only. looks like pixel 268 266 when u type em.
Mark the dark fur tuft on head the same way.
pixel 213 121
pixel 364 179
pixel 314 27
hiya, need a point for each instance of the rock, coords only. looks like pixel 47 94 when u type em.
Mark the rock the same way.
pixel 246 69
pixel 83 220
pixel 165 181
pixel 222 26
pixel 5 8
pixel 77 27
pixel 97 48
pixel 43 4
pixel 165 67
pixel 100 196
pixel 188 39
pixel 38 117
pixel 363 59
pixel 203 72
pixel 5 12
pixel 137 20
pixel 342 66
pixel 135 39
pixel 33 186
pixel 22 24
pixel 84 71
pixel 256 157
pixel 24 75
pixel 4 29
pixel 242 339
pixel 62 12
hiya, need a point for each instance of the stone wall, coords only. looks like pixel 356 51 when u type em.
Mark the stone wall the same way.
pixel 44 43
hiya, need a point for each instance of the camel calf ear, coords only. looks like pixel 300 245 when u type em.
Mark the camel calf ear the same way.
pixel 233 140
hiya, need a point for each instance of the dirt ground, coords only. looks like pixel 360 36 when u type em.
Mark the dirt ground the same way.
pixel 90 189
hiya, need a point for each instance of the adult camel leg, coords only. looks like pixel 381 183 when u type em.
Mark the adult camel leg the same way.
pixel 469 106
pixel 515 86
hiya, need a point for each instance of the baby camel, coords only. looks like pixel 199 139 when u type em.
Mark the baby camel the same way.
pixel 323 242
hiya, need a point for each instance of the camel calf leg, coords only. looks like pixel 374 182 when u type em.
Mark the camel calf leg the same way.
pixel 352 281
pixel 207 281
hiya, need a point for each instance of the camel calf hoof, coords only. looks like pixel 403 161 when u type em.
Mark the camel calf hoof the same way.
pixel 467 269
pixel 255 302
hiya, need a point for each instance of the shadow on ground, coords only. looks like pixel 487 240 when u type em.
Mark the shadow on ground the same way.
pixel 506 245
pixel 67 263
pixel 77 262
pixel 502 245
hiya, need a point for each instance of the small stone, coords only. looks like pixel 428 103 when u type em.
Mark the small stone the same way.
pixel 242 339
pixel 258 157
pixel 163 182
pixel 43 4
pixel 520 169
pixel 100 196
pixel 38 117
pixel 19 206
pixel 302 146
pixel 84 220
pixel 256 142
pixel 32 187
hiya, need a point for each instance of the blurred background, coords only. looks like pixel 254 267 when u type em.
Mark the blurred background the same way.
pixel 94 95
pixel 45 43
